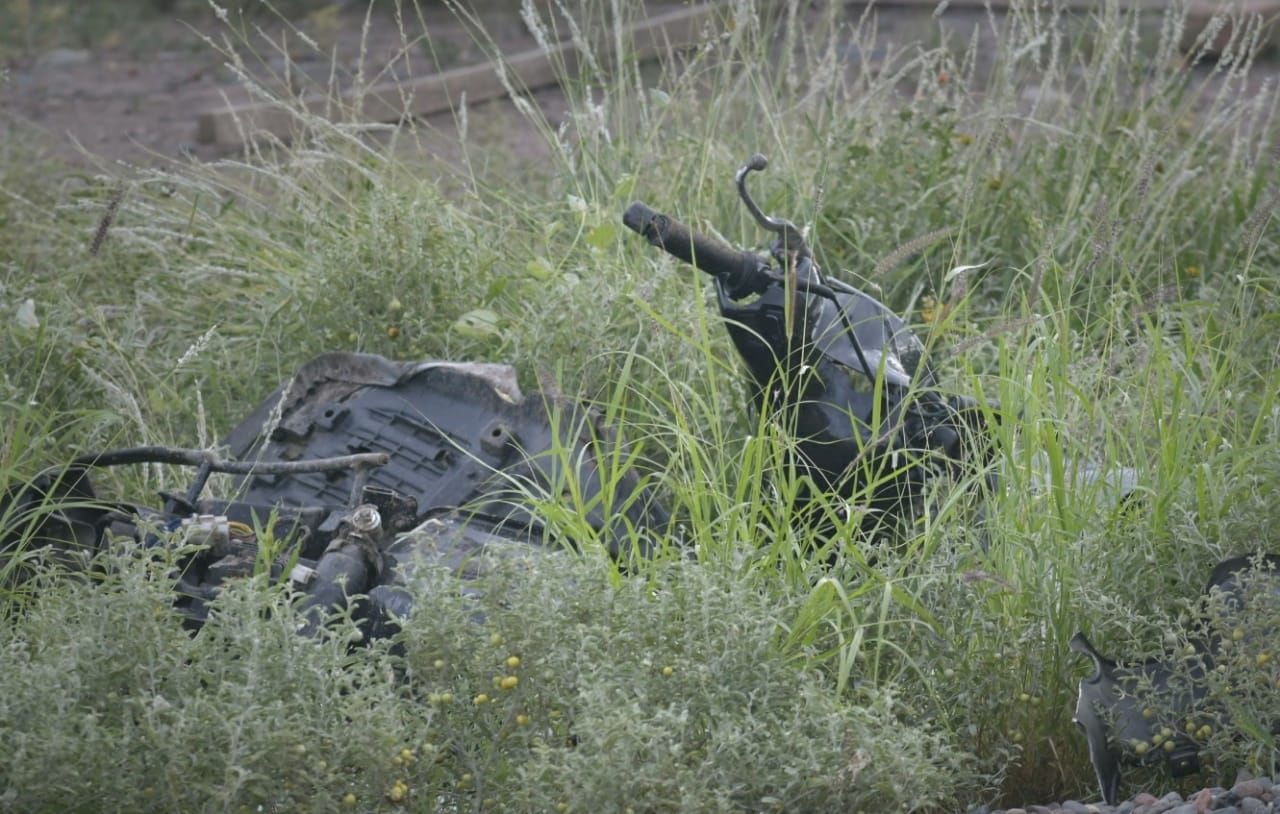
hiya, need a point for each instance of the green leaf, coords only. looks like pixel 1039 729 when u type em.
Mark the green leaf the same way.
pixel 602 236
pixel 539 269
pixel 625 187
pixel 479 324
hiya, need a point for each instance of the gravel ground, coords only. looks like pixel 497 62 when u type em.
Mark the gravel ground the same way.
pixel 1247 796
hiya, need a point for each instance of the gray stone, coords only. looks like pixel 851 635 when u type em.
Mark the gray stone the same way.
pixel 1252 805
pixel 1251 788
pixel 1167 803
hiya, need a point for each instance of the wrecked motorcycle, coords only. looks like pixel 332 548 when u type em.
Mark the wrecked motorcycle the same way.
pixel 360 467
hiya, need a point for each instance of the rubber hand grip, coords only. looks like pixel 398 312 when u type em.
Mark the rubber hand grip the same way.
pixel 704 253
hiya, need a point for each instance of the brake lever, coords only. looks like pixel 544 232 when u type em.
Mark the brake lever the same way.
pixel 790 237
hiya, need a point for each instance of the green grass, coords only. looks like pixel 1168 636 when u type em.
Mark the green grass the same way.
pixel 1120 205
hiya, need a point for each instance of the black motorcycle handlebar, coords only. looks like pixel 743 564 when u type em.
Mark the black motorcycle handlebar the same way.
pixel 741 270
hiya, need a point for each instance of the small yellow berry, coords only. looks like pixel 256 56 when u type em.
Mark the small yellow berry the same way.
pixel 393 331
pixel 1148 713
pixel 1204 732
pixel 1169 746
pixel 522 720
pixel 562 807
pixel 348 800
pixel 1024 697
pixel 1141 747
pixel 1016 737
pixel 495 639
pixel 480 699
pixel 466 779
pixel 928 309
pixel 1263 659
pixel 509 682
pixel 513 662
pixel 438 664
pixel 667 671
pixel 300 749
pixel 1237 634
pixel 406 754
pixel 395 306
pixel 398 792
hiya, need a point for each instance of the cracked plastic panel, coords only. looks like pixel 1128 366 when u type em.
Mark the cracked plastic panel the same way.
pixel 458 435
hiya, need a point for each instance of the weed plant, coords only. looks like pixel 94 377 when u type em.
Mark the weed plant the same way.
pixel 1078 216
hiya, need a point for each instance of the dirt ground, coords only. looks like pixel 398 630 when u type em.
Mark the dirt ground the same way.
pixel 135 96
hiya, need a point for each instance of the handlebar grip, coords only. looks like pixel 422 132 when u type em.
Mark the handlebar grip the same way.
pixel 740 269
